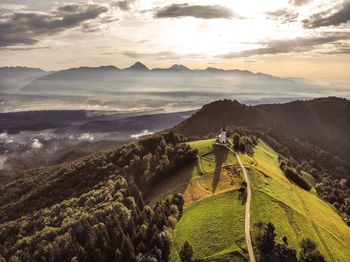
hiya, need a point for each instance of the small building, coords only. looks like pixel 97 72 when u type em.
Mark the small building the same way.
pixel 223 136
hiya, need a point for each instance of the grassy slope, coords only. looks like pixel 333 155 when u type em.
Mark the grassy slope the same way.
pixel 214 225
pixel 294 211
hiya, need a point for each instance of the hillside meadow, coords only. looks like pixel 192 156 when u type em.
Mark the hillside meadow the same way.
pixel 296 213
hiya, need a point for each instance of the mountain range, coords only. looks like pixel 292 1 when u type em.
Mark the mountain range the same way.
pixel 111 78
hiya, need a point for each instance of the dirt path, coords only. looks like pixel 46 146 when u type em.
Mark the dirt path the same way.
pixel 247 212
pixel 247 209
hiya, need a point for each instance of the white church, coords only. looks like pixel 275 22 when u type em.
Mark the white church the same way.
pixel 223 136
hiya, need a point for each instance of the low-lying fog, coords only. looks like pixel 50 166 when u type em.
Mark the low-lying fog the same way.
pixel 41 138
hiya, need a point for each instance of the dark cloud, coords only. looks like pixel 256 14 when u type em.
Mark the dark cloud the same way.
pixel 329 18
pixel 26 48
pixel 198 11
pixel 25 27
pixel 283 15
pixel 124 5
pixel 299 2
pixel 142 41
pixel 296 45
pixel 339 48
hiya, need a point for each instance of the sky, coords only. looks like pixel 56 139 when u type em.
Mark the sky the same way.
pixel 307 39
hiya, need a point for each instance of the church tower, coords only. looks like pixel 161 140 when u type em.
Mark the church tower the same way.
pixel 223 135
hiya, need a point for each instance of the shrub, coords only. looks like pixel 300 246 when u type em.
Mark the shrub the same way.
pixel 186 252
pixel 308 252
pixel 292 174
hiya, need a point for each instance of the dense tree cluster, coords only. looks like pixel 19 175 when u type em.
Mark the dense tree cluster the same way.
pixel 267 249
pixel 93 209
pixel 336 192
pixel 153 157
pixel 109 223
pixel 309 252
pixel 243 143
pixel 293 175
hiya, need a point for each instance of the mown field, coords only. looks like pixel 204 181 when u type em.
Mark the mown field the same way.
pixel 295 212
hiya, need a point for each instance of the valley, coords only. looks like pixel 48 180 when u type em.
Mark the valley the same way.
pixel 174 131
pixel 169 189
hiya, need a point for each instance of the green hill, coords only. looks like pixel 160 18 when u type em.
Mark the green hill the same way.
pixel 214 222
pixel 216 234
pixel 78 204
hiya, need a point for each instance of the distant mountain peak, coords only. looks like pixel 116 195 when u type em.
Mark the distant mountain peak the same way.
pixel 20 68
pixel 179 67
pixel 213 69
pixel 90 69
pixel 138 66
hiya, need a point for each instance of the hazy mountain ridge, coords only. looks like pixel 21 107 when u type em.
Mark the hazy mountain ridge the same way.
pixel 14 78
pixel 176 88
pixel 116 79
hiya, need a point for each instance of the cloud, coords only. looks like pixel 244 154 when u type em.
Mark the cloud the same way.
pixel 164 55
pixel 86 137
pixel 3 159
pixel 12 7
pixel 296 45
pixel 339 48
pixel 284 15
pixel 299 2
pixel 124 5
pixel 329 17
pixel 144 132
pixel 198 11
pixel 26 48
pixel 36 143
pixel 24 27
pixel 3 136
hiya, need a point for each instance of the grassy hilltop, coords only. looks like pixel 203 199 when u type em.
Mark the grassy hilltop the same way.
pixel 213 220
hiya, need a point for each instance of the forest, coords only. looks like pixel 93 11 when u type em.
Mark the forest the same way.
pixel 105 219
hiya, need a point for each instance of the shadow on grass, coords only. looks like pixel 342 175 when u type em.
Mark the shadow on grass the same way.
pixel 176 182
pixel 221 154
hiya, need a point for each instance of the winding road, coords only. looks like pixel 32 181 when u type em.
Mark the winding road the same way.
pixel 248 238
